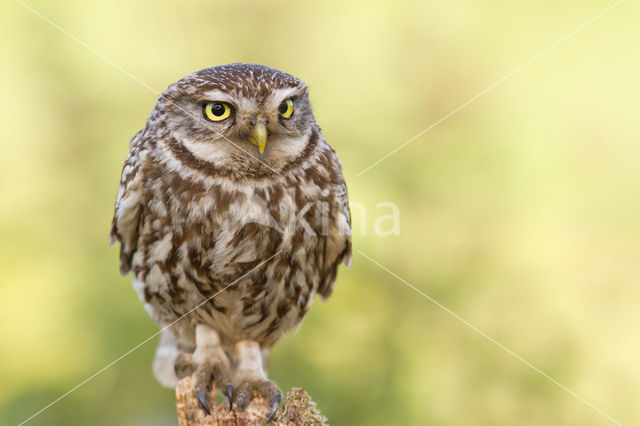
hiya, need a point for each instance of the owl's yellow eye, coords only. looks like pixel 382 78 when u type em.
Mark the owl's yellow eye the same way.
pixel 217 111
pixel 286 108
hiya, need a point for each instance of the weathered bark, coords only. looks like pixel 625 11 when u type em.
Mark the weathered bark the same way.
pixel 297 409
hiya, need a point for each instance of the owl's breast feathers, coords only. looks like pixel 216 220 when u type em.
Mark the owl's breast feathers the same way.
pixel 188 229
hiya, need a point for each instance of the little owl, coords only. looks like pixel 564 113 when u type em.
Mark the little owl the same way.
pixel 232 213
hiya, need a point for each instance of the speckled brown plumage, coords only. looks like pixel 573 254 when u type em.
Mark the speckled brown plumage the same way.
pixel 199 208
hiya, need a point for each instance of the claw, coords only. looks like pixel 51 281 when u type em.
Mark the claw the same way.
pixel 229 394
pixel 202 397
pixel 274 407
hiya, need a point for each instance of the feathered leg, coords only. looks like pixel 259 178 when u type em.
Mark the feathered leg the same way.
pixel 209 366
pixel 250 378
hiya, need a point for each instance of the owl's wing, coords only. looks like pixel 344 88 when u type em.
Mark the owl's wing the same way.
pixel 128 210
pixel 337 242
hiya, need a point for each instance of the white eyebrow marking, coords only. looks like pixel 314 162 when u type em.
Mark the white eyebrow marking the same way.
pixel 218 95
pixel 278 95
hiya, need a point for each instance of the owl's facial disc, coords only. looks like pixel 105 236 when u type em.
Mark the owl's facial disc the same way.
pixel 258 135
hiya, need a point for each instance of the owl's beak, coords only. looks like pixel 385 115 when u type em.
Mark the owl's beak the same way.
pixel 258 135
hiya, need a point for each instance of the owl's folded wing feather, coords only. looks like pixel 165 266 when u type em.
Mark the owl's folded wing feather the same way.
pixel 128 210
pixel 337 242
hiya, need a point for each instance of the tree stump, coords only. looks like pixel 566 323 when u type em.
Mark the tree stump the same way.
pixel 297 409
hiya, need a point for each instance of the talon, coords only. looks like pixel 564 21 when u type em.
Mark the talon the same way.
pixel 274 407
pixel 202 397
pixel 229 394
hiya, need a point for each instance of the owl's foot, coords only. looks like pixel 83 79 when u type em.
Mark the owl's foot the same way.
pixel 247 390
pixel 209 366
pixel 250 380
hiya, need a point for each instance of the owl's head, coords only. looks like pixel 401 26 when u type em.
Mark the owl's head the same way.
pixel 239 113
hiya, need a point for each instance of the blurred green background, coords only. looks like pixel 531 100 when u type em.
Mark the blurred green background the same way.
pixel 520 212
